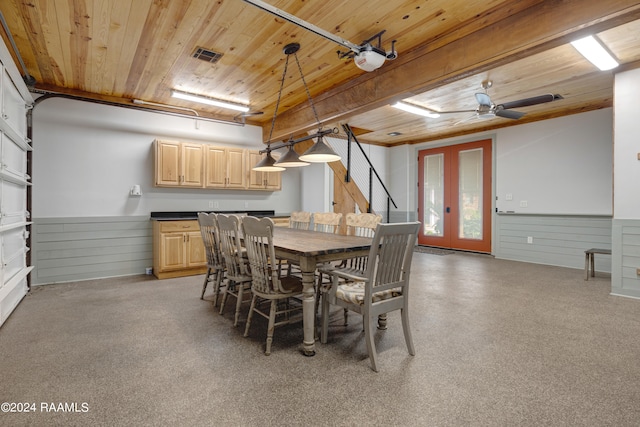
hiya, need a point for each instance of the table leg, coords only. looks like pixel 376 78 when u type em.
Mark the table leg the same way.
pixel 308 306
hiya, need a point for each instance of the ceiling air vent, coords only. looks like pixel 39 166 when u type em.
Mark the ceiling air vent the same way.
pixel 207 55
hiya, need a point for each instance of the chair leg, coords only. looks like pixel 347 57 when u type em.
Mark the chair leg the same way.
pixel 216 286
pixel 240 287
pixel 382 321
pixel 371 347
pixel 324 320
pixel 271 327
pixel 224 297
pixel 250 316
pixel 206 280
pixel 407 331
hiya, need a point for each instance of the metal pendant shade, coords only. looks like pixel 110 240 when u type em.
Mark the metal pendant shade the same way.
pixel 291 159
pixel 320 152
pixel 268 164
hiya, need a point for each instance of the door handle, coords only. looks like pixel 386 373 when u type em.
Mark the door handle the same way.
pixel 333 203
pixel 448 209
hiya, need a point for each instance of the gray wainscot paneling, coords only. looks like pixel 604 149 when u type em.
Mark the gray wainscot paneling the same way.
pixel 626 258
pixel 71 249
pixel 553 239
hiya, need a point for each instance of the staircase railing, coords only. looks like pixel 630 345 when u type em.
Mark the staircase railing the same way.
pixel 351 137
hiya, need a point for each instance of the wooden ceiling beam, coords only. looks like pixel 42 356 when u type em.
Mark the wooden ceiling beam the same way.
pixel 543 26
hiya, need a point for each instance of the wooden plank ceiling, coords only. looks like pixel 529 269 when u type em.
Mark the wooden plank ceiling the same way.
pixel 121 50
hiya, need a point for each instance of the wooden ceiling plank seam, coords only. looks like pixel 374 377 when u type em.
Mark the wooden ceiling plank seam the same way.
pixel 161 48
pixel 463 57
pixel 114 44
pixel 144 48
pixel 127 51
pixel 79 33
pixel 36 38
pixel 213 36
pixel 21 38
pixel 180 45
pixel 100 30
pixel 50 28
pixel 59 41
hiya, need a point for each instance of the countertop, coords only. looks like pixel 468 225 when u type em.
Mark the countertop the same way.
pixel 185 215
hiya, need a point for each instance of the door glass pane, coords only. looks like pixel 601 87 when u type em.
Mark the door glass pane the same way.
pixel 433 195
pixel 470 194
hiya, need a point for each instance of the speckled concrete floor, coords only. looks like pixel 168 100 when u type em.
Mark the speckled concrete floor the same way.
pixel 498 343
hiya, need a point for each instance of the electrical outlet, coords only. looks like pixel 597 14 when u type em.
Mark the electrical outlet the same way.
pixel 211 204
pixel 216 204
pixel 523 203
pixel 246 205
pixel 508 196
pixel 530 239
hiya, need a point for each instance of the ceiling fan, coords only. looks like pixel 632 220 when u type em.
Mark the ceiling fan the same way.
pixel 486 109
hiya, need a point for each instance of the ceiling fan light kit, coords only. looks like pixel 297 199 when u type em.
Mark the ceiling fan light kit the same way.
pixel 594 51
pixel 209 101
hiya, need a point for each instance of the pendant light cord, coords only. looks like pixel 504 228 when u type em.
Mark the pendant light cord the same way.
pixel 275 112
pixel 306 88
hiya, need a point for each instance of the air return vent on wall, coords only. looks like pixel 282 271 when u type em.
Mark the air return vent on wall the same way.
pixel 207 55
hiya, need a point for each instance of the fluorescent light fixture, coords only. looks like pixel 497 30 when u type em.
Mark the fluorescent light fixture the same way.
pixel 591 49
pixel 421 111
pixel 209 101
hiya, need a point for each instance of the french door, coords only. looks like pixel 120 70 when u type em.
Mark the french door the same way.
pixel 454 196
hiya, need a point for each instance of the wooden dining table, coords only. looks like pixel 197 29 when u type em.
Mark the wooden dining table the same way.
pixel 308 248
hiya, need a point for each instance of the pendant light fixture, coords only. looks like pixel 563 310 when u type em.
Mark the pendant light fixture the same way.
pixel 319 152
pixel 291 159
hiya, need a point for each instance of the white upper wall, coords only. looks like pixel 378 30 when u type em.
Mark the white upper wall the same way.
pixel 558 166
pixel 87 156
pixel 627 145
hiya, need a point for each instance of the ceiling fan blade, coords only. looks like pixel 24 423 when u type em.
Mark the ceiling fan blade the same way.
pixel 508 114
pixel 456 111
pixel 483 99
pixel 531 101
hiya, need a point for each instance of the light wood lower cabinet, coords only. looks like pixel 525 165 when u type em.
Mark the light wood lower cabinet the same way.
pixel 178 249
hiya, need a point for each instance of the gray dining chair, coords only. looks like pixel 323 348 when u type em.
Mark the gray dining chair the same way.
pixel 238 276
pixel 215 260
pixel 267 287
pixel 381 288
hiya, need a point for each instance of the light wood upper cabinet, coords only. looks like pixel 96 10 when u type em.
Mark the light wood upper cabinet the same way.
pixel 262 180
pixel 226 167
pixel 192 165
pixel 183 164
pixel 179 164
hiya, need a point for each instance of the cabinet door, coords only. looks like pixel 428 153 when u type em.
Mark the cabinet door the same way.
pixel 172 251
pixel 192 165
pixel 167 163
pixel 195 250
pixel 273 180
pixel 216 176
pixel 236 168
pixel 256 180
